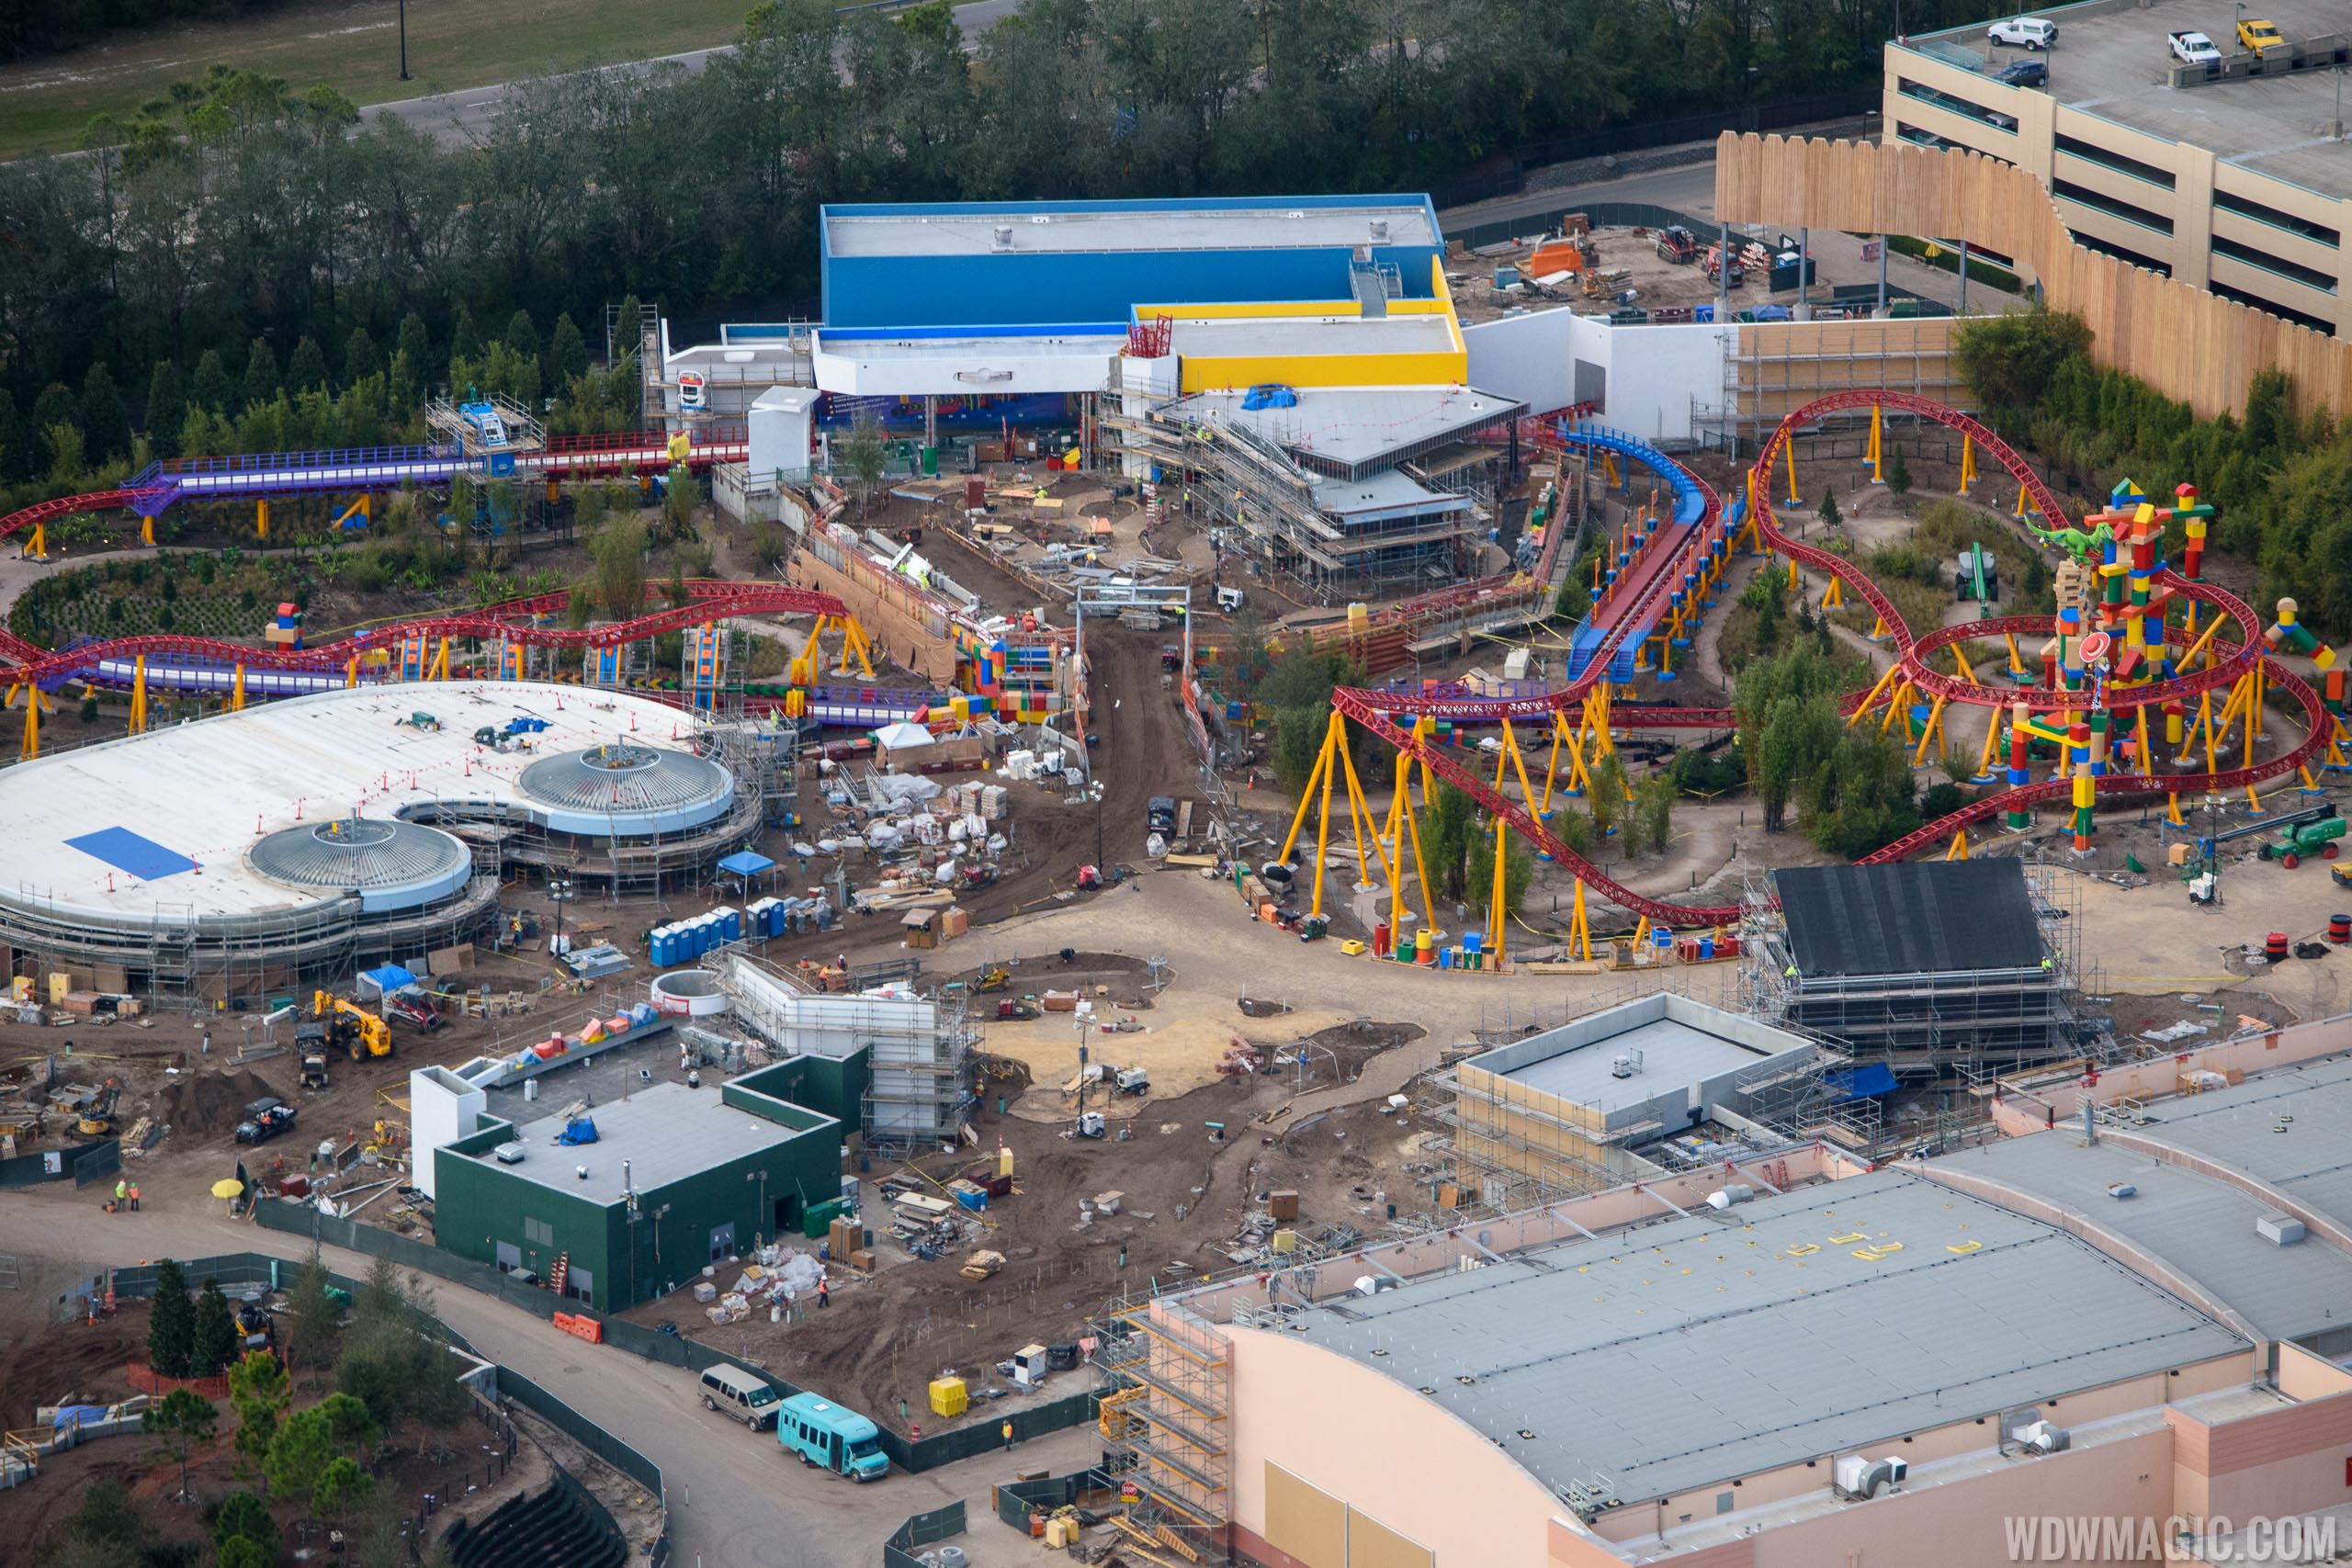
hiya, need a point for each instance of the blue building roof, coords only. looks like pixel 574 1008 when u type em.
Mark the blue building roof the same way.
pixel 996 265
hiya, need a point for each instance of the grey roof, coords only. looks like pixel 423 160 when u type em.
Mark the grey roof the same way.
pixel 641 787
pixel 1387 494
pixel 391 864
pixel 2202 1227
pixel 2309 1162
pixel 1699 1349
pixel 1671 1054
pixel 1355 430
pixel 667 1133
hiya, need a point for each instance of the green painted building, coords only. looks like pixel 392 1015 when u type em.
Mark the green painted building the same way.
pixel 678 1177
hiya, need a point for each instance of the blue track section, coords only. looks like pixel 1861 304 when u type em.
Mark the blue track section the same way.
pixel 1690 506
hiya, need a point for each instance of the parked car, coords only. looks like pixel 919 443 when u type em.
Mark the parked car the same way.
pixel 2023 32
pixel 2193 49
pixel 741 1396
pixel 2260 37
pixel 2024 73
pixel 265 1118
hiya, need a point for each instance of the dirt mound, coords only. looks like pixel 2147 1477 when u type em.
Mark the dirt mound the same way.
pixel 1252 1008
pixel 208 1105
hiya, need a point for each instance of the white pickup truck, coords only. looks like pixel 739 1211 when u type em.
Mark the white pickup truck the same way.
pixel 2193 49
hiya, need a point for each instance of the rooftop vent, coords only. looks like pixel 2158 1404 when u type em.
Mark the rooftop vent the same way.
pixel 2281 1230
pixel 508 1154
pixel 1625 1063
pixel 1380 230
pixel 2042 1438
pixel 1003 232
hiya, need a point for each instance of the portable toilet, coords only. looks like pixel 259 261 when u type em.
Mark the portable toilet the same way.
pixel 732 923
pixel 758 917
pixel 690 941
pixel 658 942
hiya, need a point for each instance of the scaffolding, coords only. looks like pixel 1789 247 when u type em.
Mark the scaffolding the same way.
pixel 921 1076
pixel 1166 1415
pixel 1923 1024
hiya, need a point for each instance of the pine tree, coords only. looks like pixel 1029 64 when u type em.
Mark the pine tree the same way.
pixel 523 333
pixel 170 1326
pixel 166 409
pixel 15 442
pixel 55 406
pixel 258 1390
pixel 361 358
pixel 1898 472
pixel 216 1329
pixel 465 338
pixel 308 368
pixel 313 1320
pixel 261 380
pixel 567 354
pixel 413 339
pixel 1829 513
pixel 106 427
pixel 210 388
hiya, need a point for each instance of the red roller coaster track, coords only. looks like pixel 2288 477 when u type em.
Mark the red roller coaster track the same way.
pixel 1372 709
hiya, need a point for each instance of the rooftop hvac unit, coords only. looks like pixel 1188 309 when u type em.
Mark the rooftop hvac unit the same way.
pixel 1003 232
pixel 2042 1438
pixel 1857 1475
pixel 508 1153
pixel 1625 1063
pixel 2280 1230
pixel 1380 230
pixel 1725 1197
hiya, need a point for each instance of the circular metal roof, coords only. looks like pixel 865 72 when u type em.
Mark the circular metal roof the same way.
pixel 626 784
pixel 391 864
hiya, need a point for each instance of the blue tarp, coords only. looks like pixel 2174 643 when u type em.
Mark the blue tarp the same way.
pixel 387 979
pixel 579 1130
pixel 1861 1083
pixel 127 852
pixel 743 863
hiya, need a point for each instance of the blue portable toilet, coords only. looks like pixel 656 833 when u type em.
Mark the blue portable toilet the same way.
pixel 660 943
pixel 732 923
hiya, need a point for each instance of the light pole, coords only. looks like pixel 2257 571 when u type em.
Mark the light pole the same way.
pixel 403 41
pixel 1094 794
pixel 559 893
pixel 759 1234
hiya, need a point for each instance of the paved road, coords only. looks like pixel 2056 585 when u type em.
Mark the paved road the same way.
pixel 451 116
pixel 734 1499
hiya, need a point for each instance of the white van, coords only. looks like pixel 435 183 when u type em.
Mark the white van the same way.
pixel 739 1395
pixel 2023 32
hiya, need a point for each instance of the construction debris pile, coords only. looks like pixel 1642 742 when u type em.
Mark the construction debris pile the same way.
pixel 782 1275
pixel 927 841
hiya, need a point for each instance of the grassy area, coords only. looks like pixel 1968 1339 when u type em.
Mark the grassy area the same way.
pixel 1917 574
pixel 354 48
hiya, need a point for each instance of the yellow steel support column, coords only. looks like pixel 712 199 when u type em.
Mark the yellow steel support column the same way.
pixel 39 548
pixel 1789 452
pixel 147 530
pixel 351 672
pixel 1579 929
pixel 439 669
pixel 1876 456
pixel 261 518
pixel 1498 917
pixel 1959 849
pixel 1870 699
pixel 1305 796
pixel 1334 741
pixel 1412 830
pixel 1967 462
pixel 237 689
pixel 138 696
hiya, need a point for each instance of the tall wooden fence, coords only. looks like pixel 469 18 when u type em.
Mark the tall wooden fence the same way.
pixel 2195 347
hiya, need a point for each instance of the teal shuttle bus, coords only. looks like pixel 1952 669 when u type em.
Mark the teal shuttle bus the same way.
pixel 823 1433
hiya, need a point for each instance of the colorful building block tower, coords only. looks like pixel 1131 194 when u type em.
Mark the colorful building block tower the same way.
pixel 286 631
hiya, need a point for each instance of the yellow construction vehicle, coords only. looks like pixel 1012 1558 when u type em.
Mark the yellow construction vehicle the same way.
pixel 994 978
pixel 98 1120
pixel 360 1033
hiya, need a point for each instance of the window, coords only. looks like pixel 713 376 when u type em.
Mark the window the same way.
pixel 2113 208
pixel 2116 161
pixel 2309 276
pixel 538 1233
pixel 2318 234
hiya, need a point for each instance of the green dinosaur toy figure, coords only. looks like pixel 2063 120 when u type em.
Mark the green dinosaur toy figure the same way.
pixel 2075 541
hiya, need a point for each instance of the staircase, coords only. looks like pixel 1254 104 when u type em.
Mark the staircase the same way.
pixel 561 1274
pixel 560 1525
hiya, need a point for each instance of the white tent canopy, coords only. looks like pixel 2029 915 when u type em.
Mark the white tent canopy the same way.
pixel 901 735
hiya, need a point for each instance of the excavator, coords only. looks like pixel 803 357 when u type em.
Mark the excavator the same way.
pixel 98 1119
pixel 352 1028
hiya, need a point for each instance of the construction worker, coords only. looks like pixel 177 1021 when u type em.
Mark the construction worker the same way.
pixel 1008 1433
pixel 121 1192
pixel 134 1197
pixel 824 1292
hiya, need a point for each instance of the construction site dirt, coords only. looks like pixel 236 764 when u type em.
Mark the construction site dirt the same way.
pixel 1185 1171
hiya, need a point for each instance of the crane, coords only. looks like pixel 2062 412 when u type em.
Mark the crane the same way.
pixel 353 1028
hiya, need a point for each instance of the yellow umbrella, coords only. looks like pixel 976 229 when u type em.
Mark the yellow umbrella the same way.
pixel 226 1186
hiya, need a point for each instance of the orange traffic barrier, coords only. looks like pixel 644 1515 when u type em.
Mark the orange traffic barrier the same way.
pixel 581 1326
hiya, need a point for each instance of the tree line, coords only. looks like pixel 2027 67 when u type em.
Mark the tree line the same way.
pixel 239 205
pixel 2280 481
